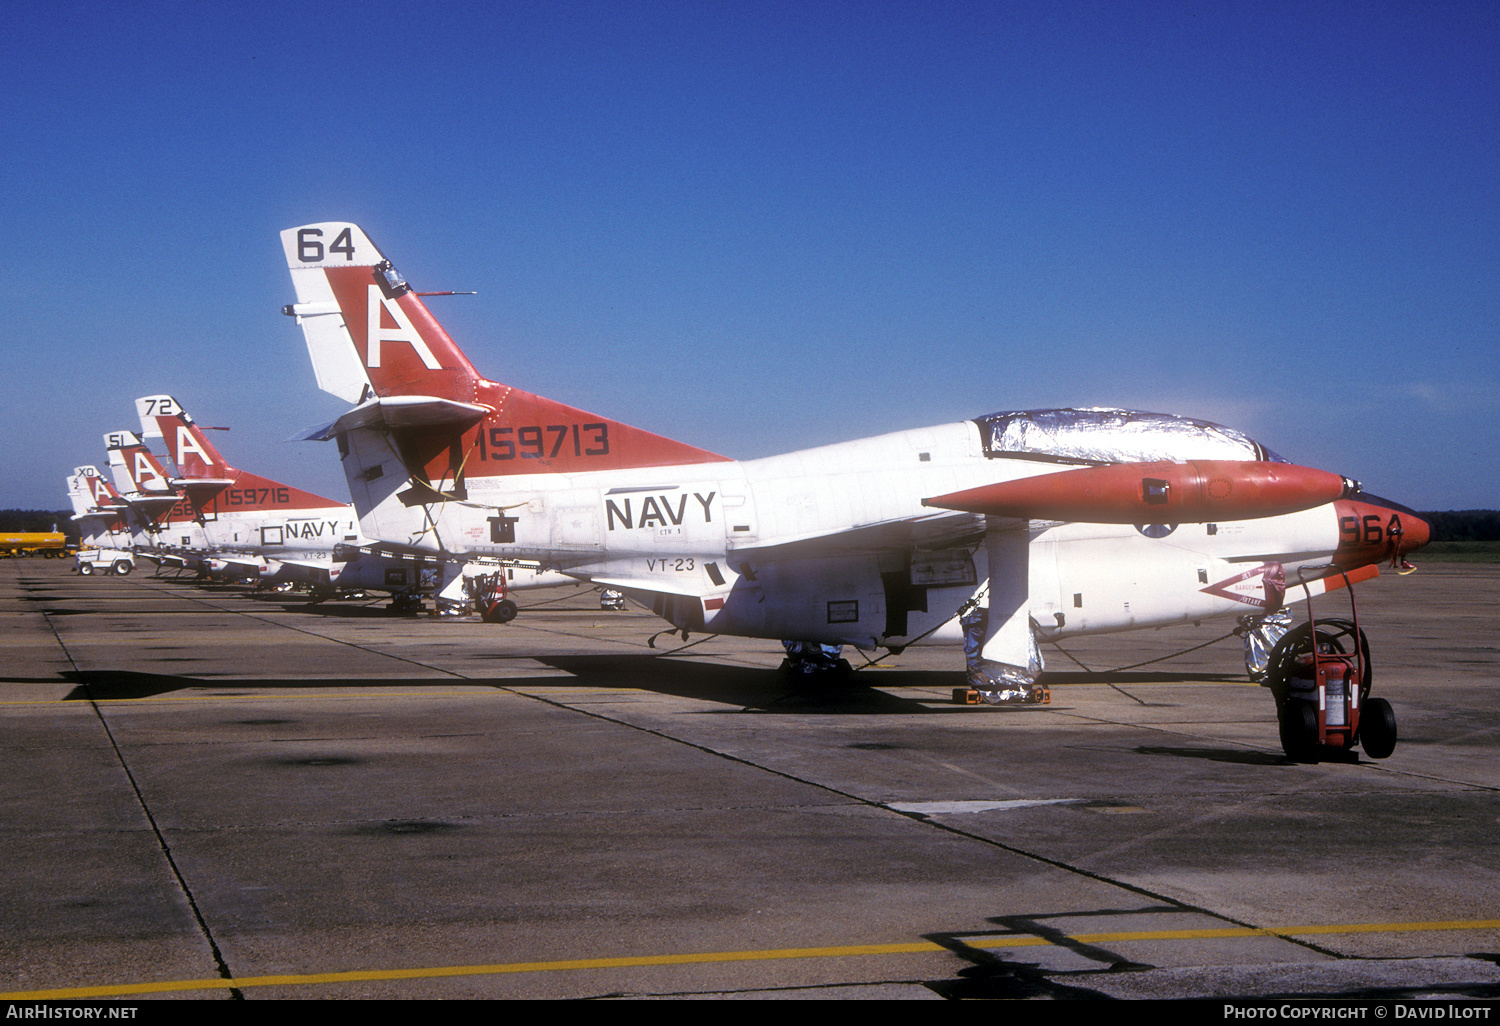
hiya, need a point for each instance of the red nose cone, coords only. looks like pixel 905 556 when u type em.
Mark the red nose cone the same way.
pixel 1373 530
pixel 1418 533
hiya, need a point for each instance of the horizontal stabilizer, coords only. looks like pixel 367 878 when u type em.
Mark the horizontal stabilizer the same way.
pixel 152 504
pixel 1196 491
pixel 397 412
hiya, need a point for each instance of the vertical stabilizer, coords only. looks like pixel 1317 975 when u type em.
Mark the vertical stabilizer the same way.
pixel 90 492
pixel 212 484
pixel 195 456
pixel 373 342
pixel 137 471
pixel 368 333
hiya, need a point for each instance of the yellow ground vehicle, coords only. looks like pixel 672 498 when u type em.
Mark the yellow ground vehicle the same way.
pixel 49 544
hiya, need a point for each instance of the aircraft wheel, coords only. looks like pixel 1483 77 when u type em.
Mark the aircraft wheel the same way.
pixel 1299 731
pixel 87 569
pixel 503 611
pixel 1377 728
pixel 122 568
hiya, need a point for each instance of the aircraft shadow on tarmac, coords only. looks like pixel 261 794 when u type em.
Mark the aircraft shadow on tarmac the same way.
pixel 353 611
pixel 738 689
pixel 751 689
pixel 743 689
pixel 115 685
pixel 1234 756
pixel 992 976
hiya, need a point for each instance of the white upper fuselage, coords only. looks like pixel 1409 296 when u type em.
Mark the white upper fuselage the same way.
pixel 827 543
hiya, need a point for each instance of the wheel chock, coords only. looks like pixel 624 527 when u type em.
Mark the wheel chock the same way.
pixel 1038 695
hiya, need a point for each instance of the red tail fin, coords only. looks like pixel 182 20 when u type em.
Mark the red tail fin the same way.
pixel 371 337
pixel 213 485
pixel 136 469
pixel 195 456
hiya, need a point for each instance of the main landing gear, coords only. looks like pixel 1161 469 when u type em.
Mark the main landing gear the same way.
pixel 1320 676
pixel 404 603
pixel 809 662
pixel 1036 694
pixel 989 682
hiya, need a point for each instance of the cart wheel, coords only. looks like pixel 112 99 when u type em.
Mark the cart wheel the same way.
pixel 1299 731
pixel 122 567
pixel 503 611
pixel 1377 728
pixel 87 569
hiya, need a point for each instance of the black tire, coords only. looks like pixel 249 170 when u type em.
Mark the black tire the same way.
pixel 503 611
pixel 1298 721
pixel 87 569
pixel 1377 728
pixel 122 568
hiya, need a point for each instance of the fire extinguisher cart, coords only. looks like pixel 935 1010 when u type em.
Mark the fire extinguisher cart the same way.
pixel 1320 676
pixel 488 594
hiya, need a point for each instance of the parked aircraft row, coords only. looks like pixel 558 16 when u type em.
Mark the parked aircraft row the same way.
pixel 203 514
pixel 999 533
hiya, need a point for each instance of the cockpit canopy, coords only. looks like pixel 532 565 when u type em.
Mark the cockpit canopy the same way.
pixel 1101 435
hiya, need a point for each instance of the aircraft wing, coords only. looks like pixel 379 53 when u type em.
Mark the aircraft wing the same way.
pixel 935 531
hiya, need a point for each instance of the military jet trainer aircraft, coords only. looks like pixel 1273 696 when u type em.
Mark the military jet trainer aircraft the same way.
pixel 251 530
pixel 1013 528
pixel 255 524
pixel 107 526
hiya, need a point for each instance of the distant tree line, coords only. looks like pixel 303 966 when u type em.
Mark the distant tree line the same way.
pixel 1464 525
pixel 39 520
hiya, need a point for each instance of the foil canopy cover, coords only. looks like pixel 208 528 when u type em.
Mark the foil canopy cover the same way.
pixel 1103 435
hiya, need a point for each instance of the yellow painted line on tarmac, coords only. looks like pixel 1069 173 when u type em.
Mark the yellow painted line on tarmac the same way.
pixel 711 957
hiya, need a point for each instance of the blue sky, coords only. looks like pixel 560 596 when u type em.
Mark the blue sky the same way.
pixel 762 226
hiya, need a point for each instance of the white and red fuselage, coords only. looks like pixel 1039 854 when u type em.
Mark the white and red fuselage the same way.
pixel 875 542
pixel 229 520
